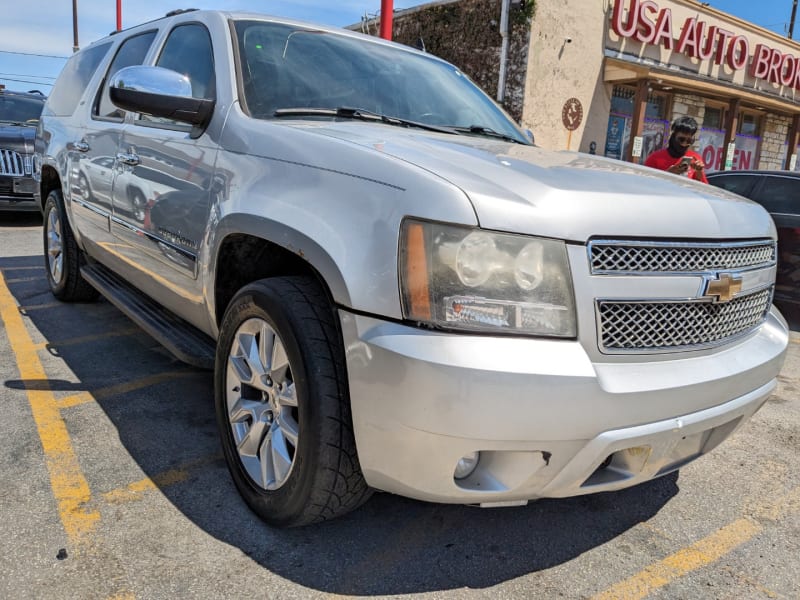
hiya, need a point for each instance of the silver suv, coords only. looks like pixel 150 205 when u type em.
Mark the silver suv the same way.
pixel 396 290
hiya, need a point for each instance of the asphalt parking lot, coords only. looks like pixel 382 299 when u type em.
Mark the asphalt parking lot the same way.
pixel 113 487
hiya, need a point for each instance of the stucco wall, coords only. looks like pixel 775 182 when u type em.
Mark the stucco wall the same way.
pixel 559 69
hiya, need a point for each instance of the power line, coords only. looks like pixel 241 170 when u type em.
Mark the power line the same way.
pixel 25 75
pixel 26 81
pixel 32 54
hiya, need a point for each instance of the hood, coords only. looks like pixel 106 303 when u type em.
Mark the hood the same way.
pixel 564 195
pixel 18 138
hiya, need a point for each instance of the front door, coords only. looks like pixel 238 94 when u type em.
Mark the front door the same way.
pixel 162 192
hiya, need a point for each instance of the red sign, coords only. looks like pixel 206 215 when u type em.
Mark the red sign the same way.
pixel 648 24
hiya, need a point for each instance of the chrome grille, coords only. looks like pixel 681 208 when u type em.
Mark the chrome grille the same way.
pixel 608 257
pixel 651 326
pixel 11 163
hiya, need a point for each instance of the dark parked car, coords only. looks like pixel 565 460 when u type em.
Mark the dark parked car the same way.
pixel 779 193
pixel 19 115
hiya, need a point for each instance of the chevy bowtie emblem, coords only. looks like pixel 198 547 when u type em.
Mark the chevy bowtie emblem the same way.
pixel 722 288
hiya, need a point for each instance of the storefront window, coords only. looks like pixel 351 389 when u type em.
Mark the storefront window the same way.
pixel 656 127
pixel 749 124
pixel 713 117
pixel 622 100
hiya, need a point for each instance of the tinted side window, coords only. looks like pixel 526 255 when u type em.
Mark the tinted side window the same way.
pixel 74 78
pixel 188 51
pixel 131 52
pixel 739 184
pixel 779 195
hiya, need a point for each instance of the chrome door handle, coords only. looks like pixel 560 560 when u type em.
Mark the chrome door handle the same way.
pixel 128 158
pixel 79 146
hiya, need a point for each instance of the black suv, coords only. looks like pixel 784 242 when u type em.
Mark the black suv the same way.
pixel 19 115
pixel 779 193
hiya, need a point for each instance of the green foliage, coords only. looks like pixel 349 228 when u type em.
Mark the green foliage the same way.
pixel 523 15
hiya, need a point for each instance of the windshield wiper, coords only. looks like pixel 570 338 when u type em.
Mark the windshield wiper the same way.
pixel 346 112
pixel 488 132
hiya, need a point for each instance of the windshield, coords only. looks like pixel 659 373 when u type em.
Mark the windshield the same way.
pixel 20 109
pixel 286 67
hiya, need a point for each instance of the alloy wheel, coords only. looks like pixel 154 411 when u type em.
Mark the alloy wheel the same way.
pixel 262 404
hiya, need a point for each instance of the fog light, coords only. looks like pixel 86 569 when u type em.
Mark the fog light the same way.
pixel 466 465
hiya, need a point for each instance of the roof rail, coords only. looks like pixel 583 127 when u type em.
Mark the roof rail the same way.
pixel 179 11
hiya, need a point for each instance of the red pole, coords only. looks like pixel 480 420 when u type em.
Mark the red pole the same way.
pixel 387 10
pixel 119 15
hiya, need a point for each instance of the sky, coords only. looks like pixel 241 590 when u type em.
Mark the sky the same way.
pixel 37 38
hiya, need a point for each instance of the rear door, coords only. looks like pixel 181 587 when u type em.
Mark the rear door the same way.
pixel 95 166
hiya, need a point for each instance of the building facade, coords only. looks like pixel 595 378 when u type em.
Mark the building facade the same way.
pixel 609 76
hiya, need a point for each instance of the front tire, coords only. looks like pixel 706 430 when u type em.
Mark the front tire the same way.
pixel 282 404
pixel 63 259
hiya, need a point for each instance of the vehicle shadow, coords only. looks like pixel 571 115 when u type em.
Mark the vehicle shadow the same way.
pixel 21 219
pixel 391 545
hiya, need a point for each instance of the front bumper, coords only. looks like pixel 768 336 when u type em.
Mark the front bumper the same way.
pixel 547 421
pixel 17 194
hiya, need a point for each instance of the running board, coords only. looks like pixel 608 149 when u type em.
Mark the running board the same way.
pixel 185 341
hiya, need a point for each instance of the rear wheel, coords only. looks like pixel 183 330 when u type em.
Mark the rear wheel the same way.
pixel 282 404
pixel 63 258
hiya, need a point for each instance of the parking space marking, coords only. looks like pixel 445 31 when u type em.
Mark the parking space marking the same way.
pixel 701 553
pixel 67 481
pixel 37 267
pixel 134 491
pixel 90 338
pixel 121 388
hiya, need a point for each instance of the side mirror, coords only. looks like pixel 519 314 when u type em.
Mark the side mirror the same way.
pixel 529 133
pixel 161 93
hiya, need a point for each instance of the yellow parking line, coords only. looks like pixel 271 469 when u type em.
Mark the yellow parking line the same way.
pixel 135 490
pixel 701 553
pixel 90 338
pixel 120 388
pixel 66 478
pixel 682 562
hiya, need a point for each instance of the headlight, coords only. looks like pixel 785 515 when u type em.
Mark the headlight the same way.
pixel 462 278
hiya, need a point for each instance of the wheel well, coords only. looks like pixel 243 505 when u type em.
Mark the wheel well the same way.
pixel 243 259
pixel 49 182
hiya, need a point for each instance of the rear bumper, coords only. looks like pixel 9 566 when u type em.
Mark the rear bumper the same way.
pixel 547 421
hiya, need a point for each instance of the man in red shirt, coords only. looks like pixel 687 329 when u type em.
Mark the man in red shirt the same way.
pixel 677 157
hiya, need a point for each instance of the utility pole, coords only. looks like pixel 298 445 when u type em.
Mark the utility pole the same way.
pixel 387 12
pixel 791 22
pixel 75 46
